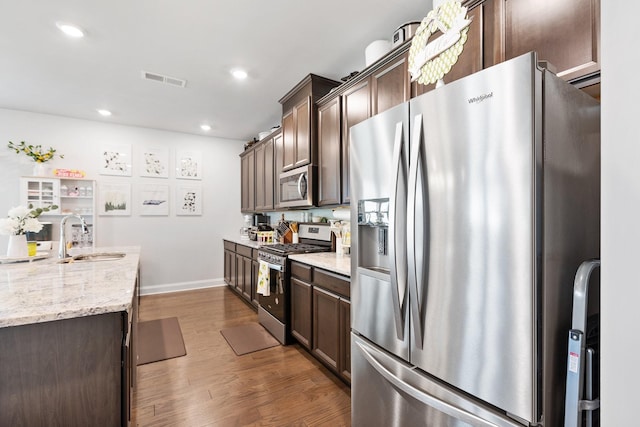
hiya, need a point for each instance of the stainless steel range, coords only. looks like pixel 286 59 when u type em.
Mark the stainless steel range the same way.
pixel 273 309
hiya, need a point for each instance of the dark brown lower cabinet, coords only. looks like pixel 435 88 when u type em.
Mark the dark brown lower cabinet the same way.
pixel 332 331
pixel 241 270
pixel 321 316
pixel 72 372
pixel 244 260
pixel 344 362
pixel 254 279
pixel 326 327
pixel 229 267
pixel 247 277
pixel 301 306
pixel 239 282
pixel 230 263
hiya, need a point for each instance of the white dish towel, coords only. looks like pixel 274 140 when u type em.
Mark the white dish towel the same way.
pixel 263 279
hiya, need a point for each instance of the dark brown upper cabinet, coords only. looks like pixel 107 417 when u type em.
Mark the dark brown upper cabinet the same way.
pixel 329 155
pixel 278 166
pixel 297 135
pixel 356 107
pixel 265 173
pixel 299 120
pixel 390 85
pixel 247 181
pixel 564 33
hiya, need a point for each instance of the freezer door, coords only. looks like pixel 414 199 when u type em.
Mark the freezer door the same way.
pixel 386 391
pixel 474 303
pixel 379 164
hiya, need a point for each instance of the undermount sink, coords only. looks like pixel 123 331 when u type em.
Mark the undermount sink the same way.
pixel 99 256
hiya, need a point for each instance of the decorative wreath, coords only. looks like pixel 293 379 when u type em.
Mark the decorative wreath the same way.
pixel 451 19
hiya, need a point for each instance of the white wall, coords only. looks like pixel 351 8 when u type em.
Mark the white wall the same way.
pixel 177 251
pixel 620 340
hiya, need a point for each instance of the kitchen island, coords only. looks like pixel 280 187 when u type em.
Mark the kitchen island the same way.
pixel 67 340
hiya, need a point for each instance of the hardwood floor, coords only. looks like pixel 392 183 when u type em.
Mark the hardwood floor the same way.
pixel 211 386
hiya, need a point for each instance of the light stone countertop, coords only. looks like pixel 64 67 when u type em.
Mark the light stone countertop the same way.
pixel 340 264
pixel 251 243
pixel 44 290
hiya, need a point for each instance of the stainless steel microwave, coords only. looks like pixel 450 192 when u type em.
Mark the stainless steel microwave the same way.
pixel 297 187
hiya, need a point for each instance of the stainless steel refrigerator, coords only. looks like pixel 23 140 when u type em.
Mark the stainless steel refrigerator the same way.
pixel 475 204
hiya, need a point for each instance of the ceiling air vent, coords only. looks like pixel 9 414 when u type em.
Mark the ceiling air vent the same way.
pixel 173 81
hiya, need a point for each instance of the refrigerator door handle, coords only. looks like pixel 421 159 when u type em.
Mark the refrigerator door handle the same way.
pixel 422 396
pixel 397 252
pixel 412 276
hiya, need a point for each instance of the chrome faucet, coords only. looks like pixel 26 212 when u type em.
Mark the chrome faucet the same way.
pixel 62 248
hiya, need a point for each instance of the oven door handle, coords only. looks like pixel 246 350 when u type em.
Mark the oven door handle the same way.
pixel 273 266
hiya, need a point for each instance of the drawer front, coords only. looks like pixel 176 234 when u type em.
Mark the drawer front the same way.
pixel 244 251
pixel 302 271
pixel 255 254
pixel 230 246
pixel 332 282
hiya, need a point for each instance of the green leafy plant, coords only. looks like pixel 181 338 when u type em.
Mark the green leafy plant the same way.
pixel 36 152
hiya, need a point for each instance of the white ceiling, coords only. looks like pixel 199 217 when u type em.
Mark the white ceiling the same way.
pixel 279 42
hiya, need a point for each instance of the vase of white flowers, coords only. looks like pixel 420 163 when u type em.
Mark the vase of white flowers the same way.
pixel 17 246
pixel 21 220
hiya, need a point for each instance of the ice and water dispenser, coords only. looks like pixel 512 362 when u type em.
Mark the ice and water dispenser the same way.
pixel 373 235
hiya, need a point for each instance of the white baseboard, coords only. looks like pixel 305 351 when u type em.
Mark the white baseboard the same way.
pixel 182 286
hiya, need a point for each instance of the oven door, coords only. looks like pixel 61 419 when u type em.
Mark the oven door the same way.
pixel 296 187
pixel 274 303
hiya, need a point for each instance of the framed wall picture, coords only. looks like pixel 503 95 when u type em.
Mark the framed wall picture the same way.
pixel 115 160
pixel 154 199
pixel 154 162
pixel 188 200
pixel 114 199
pixel 188 164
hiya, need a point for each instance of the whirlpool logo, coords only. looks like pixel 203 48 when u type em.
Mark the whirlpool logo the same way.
pixel 479 99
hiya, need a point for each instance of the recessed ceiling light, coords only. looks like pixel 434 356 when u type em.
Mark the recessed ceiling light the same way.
pixel 239 74
pixel 105 113
pixel 205 127
pixel 70 29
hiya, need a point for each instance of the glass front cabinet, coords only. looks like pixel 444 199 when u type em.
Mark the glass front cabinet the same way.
pixel 72 196
pixel 40 192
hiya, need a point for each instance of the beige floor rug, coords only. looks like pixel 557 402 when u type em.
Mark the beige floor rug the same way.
pixel 159 340
pixel 248 338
